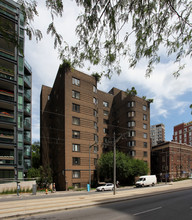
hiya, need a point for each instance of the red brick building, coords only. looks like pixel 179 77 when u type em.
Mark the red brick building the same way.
pixel 171 160
pixel 183 133
pixel 75 114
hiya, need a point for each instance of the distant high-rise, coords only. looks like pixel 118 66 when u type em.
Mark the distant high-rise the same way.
pixel 77 117
pixel 15 94
pixel 183 133
pixel 157 133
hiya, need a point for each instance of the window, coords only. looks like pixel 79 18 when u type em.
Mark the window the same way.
pixel 131 104
pixel 20 120
pixel 175 132
pixel 131 114
pixel 76 173
pixel 105 140
pixel 75 94
pixel 20 158
pixel 94 112
pixel 20 101
pixel 180 131
pixel 105 121
pixel 95 138
pixel 144 126
pixel 75 121
pixel 76 147
pixel 20 82
pixel 180 137
pixel 75 107
pixel 144 135
pixel 95 101
pixel 76 134
pixel 76 185
pixel 144 117
pixel 145 153
pixel 133 153
pixel 95 125
pixel 105 130
pixel 131 133
pixel 95 149
pixel 190 133
pixel 185 135
pixel 94 89
pixel 175 138
pixel 131 124
pixel 144 107
pixel 75 81
pixel 105 104
pixel 95 161
pixel 131 143
pixel 76 160
pixel 185 129
pixel 106 113
pixel 145 144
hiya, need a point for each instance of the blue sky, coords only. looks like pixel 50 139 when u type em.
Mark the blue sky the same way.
pixel 172 96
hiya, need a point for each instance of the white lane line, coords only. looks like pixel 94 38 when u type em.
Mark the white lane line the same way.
pixel 150 210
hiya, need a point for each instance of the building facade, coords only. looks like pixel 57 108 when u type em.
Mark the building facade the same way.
pixel 157 133
pixel 77 117
pixel 183 133
pixel 171 160
pixel 15 95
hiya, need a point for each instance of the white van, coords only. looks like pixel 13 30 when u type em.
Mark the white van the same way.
pixel 149 180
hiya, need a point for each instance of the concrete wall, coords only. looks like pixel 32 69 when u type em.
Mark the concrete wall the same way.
pixel 24 185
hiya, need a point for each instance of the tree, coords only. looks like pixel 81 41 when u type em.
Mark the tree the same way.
pixel 36 155
pixel 111 29
pixel 127 167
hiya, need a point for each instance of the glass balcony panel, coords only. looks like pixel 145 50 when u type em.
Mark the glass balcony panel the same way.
pixel 27 108
pixel 27 150
pixel 6 162
pixel 6 95
pixel 27 164
pixel 27 123
pixel 27 79
pixel 6 136
pixel 27 94
pixel 6 115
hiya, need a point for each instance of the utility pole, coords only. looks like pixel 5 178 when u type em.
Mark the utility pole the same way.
pixel 114 164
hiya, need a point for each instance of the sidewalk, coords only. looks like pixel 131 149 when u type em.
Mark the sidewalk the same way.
pixel 47 203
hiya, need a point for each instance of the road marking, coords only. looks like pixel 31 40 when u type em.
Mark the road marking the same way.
pixel 150 210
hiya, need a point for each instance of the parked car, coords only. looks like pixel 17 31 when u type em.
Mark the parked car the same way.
pixel 106 187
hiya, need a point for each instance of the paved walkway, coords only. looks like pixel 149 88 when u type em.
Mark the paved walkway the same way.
pixel 47 203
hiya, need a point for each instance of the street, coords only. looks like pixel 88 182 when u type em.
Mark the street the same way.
pixel 172 205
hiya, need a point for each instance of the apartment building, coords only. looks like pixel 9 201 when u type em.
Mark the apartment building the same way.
pixel 171 160
pixel 183 133
pixel 15 95
pixel 76 117
pixel 157 133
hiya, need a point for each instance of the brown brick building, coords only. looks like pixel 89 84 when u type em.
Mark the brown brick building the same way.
pixel 183 133
pixel 171 160
pixel 75 115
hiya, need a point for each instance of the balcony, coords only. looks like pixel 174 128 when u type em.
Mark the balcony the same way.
pixel 27 80
pixel 6 73
pixel 6 162
pixel 27 109
pixel 27 151
pixel 27 137
pixel 6 95
pixel 27 124
pixel 27 94
pixel 6 116
pixel 6 136
pixel 27 164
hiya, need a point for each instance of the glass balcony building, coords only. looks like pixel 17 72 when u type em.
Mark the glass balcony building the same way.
pixel 15 94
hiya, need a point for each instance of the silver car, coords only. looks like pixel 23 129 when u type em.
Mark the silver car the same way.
pixel 106 187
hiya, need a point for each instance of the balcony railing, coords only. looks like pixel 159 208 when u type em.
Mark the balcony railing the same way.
pixel 6 116
pixel 27 124
pixel 27 94
pixel 27 109
pixel 6 136
pixel 27 79
pixel 6 95
pixel 6 73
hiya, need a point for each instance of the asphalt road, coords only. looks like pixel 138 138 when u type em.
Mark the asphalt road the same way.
pixel 172 205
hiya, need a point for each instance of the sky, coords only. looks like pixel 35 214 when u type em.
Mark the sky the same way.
pixel 172 96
